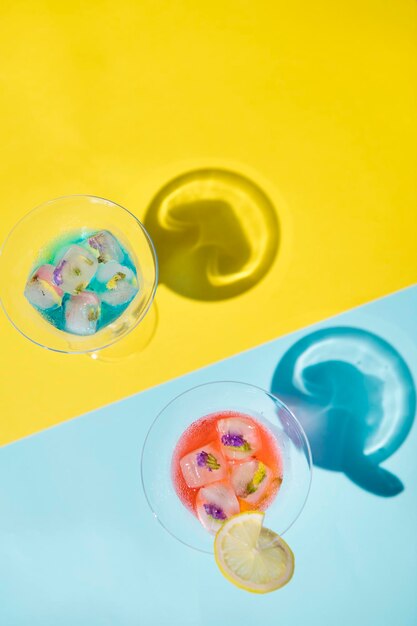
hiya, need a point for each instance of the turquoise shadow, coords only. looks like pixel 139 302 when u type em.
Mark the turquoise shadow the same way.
pixel 355 397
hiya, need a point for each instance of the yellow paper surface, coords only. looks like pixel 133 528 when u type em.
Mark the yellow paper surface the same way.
pixel 314 102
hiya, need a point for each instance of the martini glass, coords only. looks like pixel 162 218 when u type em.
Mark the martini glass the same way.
pixel 204 400
pixel 29 243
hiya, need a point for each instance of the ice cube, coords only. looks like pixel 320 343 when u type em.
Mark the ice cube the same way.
pixel 82 313
pixel 214 504
pixel 251 480
pixel 105 247
pixel 75 269
pixel 239 437
pixel 116 283
pixel 41 291
pixel 203 466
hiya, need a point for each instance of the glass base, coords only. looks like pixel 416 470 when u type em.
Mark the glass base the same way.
pixel 134 343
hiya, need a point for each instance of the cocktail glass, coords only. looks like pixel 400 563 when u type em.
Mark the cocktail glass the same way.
pixel 31 238
pixel 204 400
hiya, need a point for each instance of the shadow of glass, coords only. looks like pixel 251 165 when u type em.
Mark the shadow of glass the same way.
pixel 216 234
pixel 355 397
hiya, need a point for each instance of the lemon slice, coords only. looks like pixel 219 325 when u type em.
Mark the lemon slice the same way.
pixel 252 557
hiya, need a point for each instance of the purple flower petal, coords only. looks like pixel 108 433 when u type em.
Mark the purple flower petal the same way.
pixel 233 440
pixel 215 511
pixel 57 273
pixel 94 243
pixel 202 458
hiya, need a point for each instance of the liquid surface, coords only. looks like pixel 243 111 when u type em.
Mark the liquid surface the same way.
pixel 203 431
pixel 51 254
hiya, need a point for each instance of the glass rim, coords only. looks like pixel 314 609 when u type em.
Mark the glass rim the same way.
pixel 150 297
pixel 275 399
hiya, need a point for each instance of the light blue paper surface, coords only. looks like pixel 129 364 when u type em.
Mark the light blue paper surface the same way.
pixel 80 547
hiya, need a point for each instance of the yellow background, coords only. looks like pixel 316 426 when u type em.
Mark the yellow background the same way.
pixel 315 101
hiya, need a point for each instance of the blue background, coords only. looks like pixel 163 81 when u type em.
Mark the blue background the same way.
pixel 80 547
